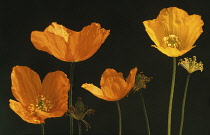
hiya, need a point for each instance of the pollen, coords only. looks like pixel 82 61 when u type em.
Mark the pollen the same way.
pixel 191 65
pixel 42 103
pixel 172 41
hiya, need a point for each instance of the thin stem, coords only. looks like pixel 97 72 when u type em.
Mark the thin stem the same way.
pixel 120 118
pixel 42 128
pixel 145 112
pixel 183 104
pixel 171 95
pixel 79 127
pixel 70 97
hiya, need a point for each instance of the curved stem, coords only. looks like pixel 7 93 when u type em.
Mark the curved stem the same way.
pixel 79 127
pixel 120 118
pixel 145 112
pixel 183 104
pixel 70 97
pixel 42 128
pixel 171 95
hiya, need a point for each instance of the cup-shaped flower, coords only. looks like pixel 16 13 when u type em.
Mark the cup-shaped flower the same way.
pixel 68 45
pixel 191 65
pixel 174 32
pixel 113 86
pixel 38 101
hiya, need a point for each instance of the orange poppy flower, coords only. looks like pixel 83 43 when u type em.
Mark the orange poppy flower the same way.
pixel 38 101
pixel 68 45
pixel 174 32
pixel 113 85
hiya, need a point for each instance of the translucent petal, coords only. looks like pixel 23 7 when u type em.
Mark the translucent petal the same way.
pixel 53 44
pixel 26 84
pixel 55 87
pixel 24 113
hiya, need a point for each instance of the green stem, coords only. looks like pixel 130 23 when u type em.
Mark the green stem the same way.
pixel 171 95
pixel 70 97
pixel 183 104
pixel 145 112
pixel 79 127
pixel 120 118
pixel 42 128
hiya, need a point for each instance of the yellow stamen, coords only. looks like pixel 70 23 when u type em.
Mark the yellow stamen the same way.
pixel 42 103
pixel 191 65
pixel 172 41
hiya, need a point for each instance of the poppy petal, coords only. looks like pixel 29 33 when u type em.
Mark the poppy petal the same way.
pixel 191 30
pixel 24 113
pixel 55 89
pixel 155 31
pixel 112 84
pixel 130 80
pixel 51 43
pixel 59 30
pixel 26 84
pixel 86 42
pixel 94 90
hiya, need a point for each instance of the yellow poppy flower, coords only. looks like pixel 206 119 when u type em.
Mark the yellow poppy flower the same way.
pixel 68 45
pixel 174 32
pixel 113 85
pixel 38 101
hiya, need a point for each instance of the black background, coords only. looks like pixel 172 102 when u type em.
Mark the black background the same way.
pixel 127 46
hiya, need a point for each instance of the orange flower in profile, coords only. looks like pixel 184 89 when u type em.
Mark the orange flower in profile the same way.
pixel 68 45
pixel 38 101
pixel 113 85
pixel 174 32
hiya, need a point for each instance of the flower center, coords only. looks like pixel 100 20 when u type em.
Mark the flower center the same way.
pixel 42 103
pixel 172 41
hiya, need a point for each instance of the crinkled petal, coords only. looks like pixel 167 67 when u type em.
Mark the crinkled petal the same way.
pixel 85 43
pixel 191 29
pixel 53 44
pixel 130 80
pixel 110 75
pixel 59 30
pixel 26 84
pixel 113 84
pixel 155 31
pixel 171 19
pixel 55 88
pixel 113 91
